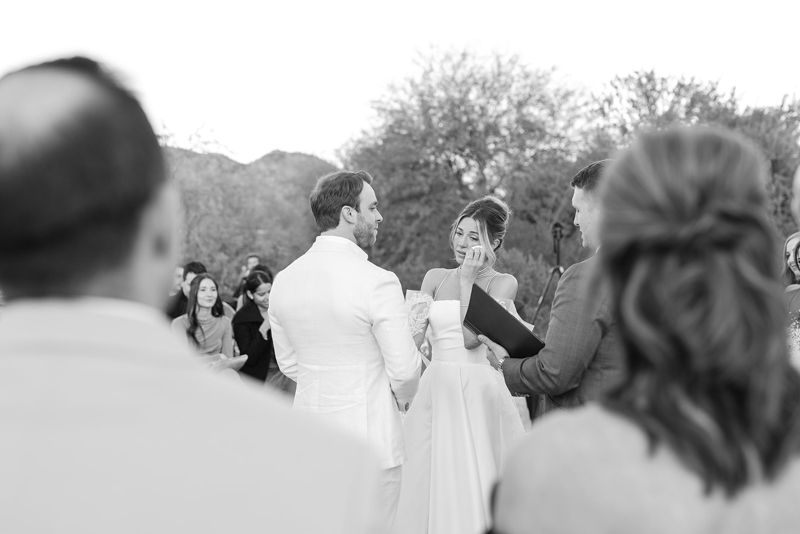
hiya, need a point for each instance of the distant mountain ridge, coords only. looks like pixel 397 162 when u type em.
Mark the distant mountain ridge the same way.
pixel 232 209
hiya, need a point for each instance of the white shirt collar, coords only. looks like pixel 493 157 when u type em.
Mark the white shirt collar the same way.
pixel 341 242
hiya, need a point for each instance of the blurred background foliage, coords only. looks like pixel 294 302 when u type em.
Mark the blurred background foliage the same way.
pixel 464 126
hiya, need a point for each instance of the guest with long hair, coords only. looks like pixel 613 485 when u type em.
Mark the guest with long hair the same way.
pixel 703 432
pixel 204 324
pixel 261 364
pixel 178 303
pixel 791 248
pixel 241 292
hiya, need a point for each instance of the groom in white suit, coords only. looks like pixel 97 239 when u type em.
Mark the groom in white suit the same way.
pixel 340 329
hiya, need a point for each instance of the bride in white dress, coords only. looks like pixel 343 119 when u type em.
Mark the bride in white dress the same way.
pixel 463 419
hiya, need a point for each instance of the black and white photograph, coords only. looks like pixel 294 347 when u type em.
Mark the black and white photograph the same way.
pixel 430 267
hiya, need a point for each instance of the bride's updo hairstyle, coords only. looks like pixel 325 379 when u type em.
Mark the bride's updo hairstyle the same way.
pixel 492 216
pixel 689 251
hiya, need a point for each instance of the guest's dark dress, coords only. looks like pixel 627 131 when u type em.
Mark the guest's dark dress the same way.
pixel 259 351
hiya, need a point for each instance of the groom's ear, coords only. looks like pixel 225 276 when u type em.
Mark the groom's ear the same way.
pixel 349 214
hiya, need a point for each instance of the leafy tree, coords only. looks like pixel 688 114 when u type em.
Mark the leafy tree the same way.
pixel 644 101
pixel 466 126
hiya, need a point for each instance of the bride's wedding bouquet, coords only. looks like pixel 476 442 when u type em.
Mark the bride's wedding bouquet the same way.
pixel 418 309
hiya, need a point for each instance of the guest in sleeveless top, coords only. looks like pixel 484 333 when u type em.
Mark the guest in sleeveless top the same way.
pixel 205 325
pixel 463 419
pixel 703 433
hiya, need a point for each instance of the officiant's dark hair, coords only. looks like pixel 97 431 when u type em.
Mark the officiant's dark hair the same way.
pixel 72 187
pixel 588 177
pixel 691 257
pixel 333 192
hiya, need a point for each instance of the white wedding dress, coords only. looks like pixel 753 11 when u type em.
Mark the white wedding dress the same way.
pixel 461 424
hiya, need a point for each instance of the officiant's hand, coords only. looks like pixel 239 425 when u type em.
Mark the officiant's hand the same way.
pixel 495 354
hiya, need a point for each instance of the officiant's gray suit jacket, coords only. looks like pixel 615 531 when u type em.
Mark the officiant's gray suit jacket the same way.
pixel 582 356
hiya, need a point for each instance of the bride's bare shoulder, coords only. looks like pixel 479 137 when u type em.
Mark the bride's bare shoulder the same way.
pixel 437 274
pixel 433 278
pixel 504 286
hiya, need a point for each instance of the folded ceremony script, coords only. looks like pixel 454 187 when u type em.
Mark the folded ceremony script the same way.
pixel 487 317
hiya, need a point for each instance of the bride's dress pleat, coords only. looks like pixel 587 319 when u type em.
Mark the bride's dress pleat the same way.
pixel 461 423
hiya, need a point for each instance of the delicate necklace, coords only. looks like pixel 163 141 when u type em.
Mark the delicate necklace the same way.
pixel 482 273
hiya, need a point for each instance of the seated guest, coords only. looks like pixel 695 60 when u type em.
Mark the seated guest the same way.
pixel 204 325
pixel 792 272
pixel 177 304
pixel 177 280
pixel 703 432
pixel 241 291
pixel 261 363
pixel 251 263
pixel 792 294
pixel 108 423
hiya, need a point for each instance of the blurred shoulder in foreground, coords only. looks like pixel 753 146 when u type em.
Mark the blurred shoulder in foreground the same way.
pixel 109 424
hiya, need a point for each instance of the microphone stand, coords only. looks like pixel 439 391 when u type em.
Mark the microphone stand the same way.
pixel 557 231
pixel 556 271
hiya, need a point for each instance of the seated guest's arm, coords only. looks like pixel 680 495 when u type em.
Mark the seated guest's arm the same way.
pixel 227 339
pixel 390 327
pixel 285 354
pixel 573 336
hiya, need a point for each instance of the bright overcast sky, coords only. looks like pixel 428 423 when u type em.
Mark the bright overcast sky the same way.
pixel 258 76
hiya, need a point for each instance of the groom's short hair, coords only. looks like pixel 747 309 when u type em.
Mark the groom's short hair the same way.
pixel 334 191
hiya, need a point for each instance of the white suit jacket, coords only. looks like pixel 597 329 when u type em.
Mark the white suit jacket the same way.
pixel 109 425
pixel 341 332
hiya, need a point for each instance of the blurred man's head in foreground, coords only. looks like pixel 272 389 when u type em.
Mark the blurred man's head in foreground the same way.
pixel 84 203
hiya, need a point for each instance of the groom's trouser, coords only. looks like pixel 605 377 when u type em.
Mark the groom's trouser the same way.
pixel 389 481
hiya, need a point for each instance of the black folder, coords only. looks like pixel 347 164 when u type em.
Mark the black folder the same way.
pixel 487 317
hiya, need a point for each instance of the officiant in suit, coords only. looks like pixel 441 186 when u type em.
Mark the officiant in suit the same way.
pixel 109 423
pixel 340 329
pixel 582 354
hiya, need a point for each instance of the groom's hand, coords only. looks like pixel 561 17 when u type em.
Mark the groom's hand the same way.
pixel 495 354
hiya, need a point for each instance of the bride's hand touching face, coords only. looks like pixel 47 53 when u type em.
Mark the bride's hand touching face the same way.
pixel 468 250
pixel 474 261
